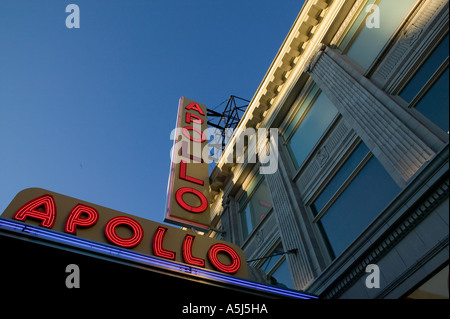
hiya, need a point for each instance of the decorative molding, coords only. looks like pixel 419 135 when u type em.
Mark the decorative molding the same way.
pixel 336 144
pixel 340 34
pixel 322 156
pixel 260 237
pixel 407 48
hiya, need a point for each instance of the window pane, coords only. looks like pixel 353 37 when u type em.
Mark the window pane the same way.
pixel 249 190
pixel 271 261
pixel 366 196
pixel 344 172
pixel 255 210
pixel 360 19
pixel 302 110
pixel 311 129
pixel 282 276
pixel 425 72
pixel 434 104
pixel 370 41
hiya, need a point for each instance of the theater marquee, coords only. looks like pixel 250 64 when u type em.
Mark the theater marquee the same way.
pixel 76 218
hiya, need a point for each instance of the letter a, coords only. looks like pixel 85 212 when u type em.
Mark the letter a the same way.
pixel 73 19
pixel 47 215
pixel 195 106
pixel 73 280
pixel 373 19
pixel 373 279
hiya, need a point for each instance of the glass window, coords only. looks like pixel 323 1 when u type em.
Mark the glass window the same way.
pixel 426 71
pixel 355 196
pixel 352 32
pixel 277 269
pixel 433 97
pixel 255 207
pixel 434 104
pixel 367 43
pixel 309 124
pixel 338 180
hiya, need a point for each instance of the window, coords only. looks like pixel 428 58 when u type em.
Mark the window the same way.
pixel 277 269
pixel 312 120
pixel 255 205
pixel 427 90
pixel 357 193
pixel 364 44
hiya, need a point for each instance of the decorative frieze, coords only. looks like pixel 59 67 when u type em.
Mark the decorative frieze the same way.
pixel 260 237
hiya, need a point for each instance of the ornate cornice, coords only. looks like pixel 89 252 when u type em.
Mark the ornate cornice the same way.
pixel 290 55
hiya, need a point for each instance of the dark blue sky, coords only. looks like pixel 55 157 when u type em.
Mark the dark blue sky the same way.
pixel 88 112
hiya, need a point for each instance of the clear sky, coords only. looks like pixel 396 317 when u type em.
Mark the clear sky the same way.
pixel 88 112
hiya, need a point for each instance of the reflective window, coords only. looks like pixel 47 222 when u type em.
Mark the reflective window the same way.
pixel 255 205
pixel 367 43
pixel 358 192
pixel 429 86
pixel 310 123
pixel 277 269
pixel 426 71
pixel 338 180
pixel 434 104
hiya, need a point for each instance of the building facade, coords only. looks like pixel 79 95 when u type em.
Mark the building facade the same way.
pixel 359 94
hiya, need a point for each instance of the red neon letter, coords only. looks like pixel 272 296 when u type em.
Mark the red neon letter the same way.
pixel 229 269
pixel 187 252
pixel 188 178
pixel 30 209
pixel 189 119
pixel 179 197
pixel 74 219
pixel 158 249
pixel 195 106
pixel 110 231
pixel 190 128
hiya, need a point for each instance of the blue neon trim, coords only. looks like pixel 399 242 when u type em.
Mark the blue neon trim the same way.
pixel 153 261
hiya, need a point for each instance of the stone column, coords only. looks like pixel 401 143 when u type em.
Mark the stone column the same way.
pixel 290 230
pixel 399 140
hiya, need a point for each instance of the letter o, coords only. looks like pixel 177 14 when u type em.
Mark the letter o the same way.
pixel 190 128
pixel 110 231
pixel 229 269
pixel 179 198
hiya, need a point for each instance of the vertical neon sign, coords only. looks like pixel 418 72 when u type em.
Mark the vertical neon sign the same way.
pixel 188 188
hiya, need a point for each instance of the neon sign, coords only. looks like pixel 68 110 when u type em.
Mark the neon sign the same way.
pixel 188 189
pixel 81 219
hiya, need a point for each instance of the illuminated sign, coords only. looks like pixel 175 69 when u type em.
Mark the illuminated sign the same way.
pixel 77 218
pixel 188 188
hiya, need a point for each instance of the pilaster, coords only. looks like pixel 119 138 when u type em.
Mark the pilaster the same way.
pixel 400 142
pixel 291 232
